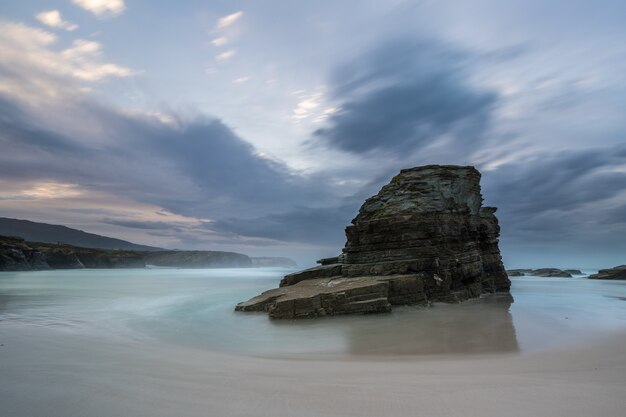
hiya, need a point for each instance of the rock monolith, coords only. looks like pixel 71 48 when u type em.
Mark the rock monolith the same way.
pixel 424 237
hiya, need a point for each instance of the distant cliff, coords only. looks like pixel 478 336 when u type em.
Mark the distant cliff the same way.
pixel 18 255
pixel 52 233
pixel 26 245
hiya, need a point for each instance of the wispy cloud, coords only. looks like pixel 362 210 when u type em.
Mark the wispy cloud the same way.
pixel 43 190
pixel 229 20
pixel 84 57
pixel 53 19
pixel 312 106
pixel 102 7
pixel 82 48
pixel 225 56
pixel 221 41
pixel 306 106
pixel 241 80
pixel 42 70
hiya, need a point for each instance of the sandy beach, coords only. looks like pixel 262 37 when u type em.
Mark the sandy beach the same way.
pixel 47 373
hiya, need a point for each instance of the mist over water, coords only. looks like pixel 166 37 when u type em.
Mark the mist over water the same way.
pixel 194 307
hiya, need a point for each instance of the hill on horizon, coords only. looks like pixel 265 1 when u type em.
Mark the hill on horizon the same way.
pixel 53 233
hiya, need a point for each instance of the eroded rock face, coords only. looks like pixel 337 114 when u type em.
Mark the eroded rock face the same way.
pixel 424 237
pixel 16 255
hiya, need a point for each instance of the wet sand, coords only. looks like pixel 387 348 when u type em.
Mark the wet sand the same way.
pixel 55 374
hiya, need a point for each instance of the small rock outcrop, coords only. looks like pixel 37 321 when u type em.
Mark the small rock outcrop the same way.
pixel 550 273
pixel 543 272
pixel 618 272
pixel 424 237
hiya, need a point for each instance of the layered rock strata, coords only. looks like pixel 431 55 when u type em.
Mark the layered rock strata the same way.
pixel 424 237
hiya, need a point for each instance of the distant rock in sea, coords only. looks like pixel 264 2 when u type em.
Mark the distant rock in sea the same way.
pixel 279 262
pixel 618 272
pixel 424 237
pixel 543 272
pixel 518 272
pixel 551 272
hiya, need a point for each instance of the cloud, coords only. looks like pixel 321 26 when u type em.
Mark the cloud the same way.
pixel 241 80
pixel 83 55
pixel 323 225
pixel 225 56
pixel 560 193
pixel 53 19
pixel 43 190
pixel 139 224
pixel 34 70
pixel 307 106
pixel 228 20
pixel 561 207
pixel 102 7
pixel 221 41
pixel 403 96
pixel 197 169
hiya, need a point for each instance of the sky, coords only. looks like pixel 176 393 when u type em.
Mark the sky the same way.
pixel 261 127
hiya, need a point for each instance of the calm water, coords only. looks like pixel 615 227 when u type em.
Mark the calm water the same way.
pixel 195 308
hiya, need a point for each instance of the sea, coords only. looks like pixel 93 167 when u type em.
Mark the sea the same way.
pixel 195 308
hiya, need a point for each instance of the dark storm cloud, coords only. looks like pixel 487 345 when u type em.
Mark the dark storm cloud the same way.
pixel 20 135
pixel 403 96
pixel 565 194
pixel 303 224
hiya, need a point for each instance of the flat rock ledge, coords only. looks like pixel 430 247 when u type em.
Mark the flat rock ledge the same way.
pixel 338 295
pixel 424 237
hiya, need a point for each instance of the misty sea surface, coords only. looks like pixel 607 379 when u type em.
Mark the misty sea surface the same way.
pixel 194 308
